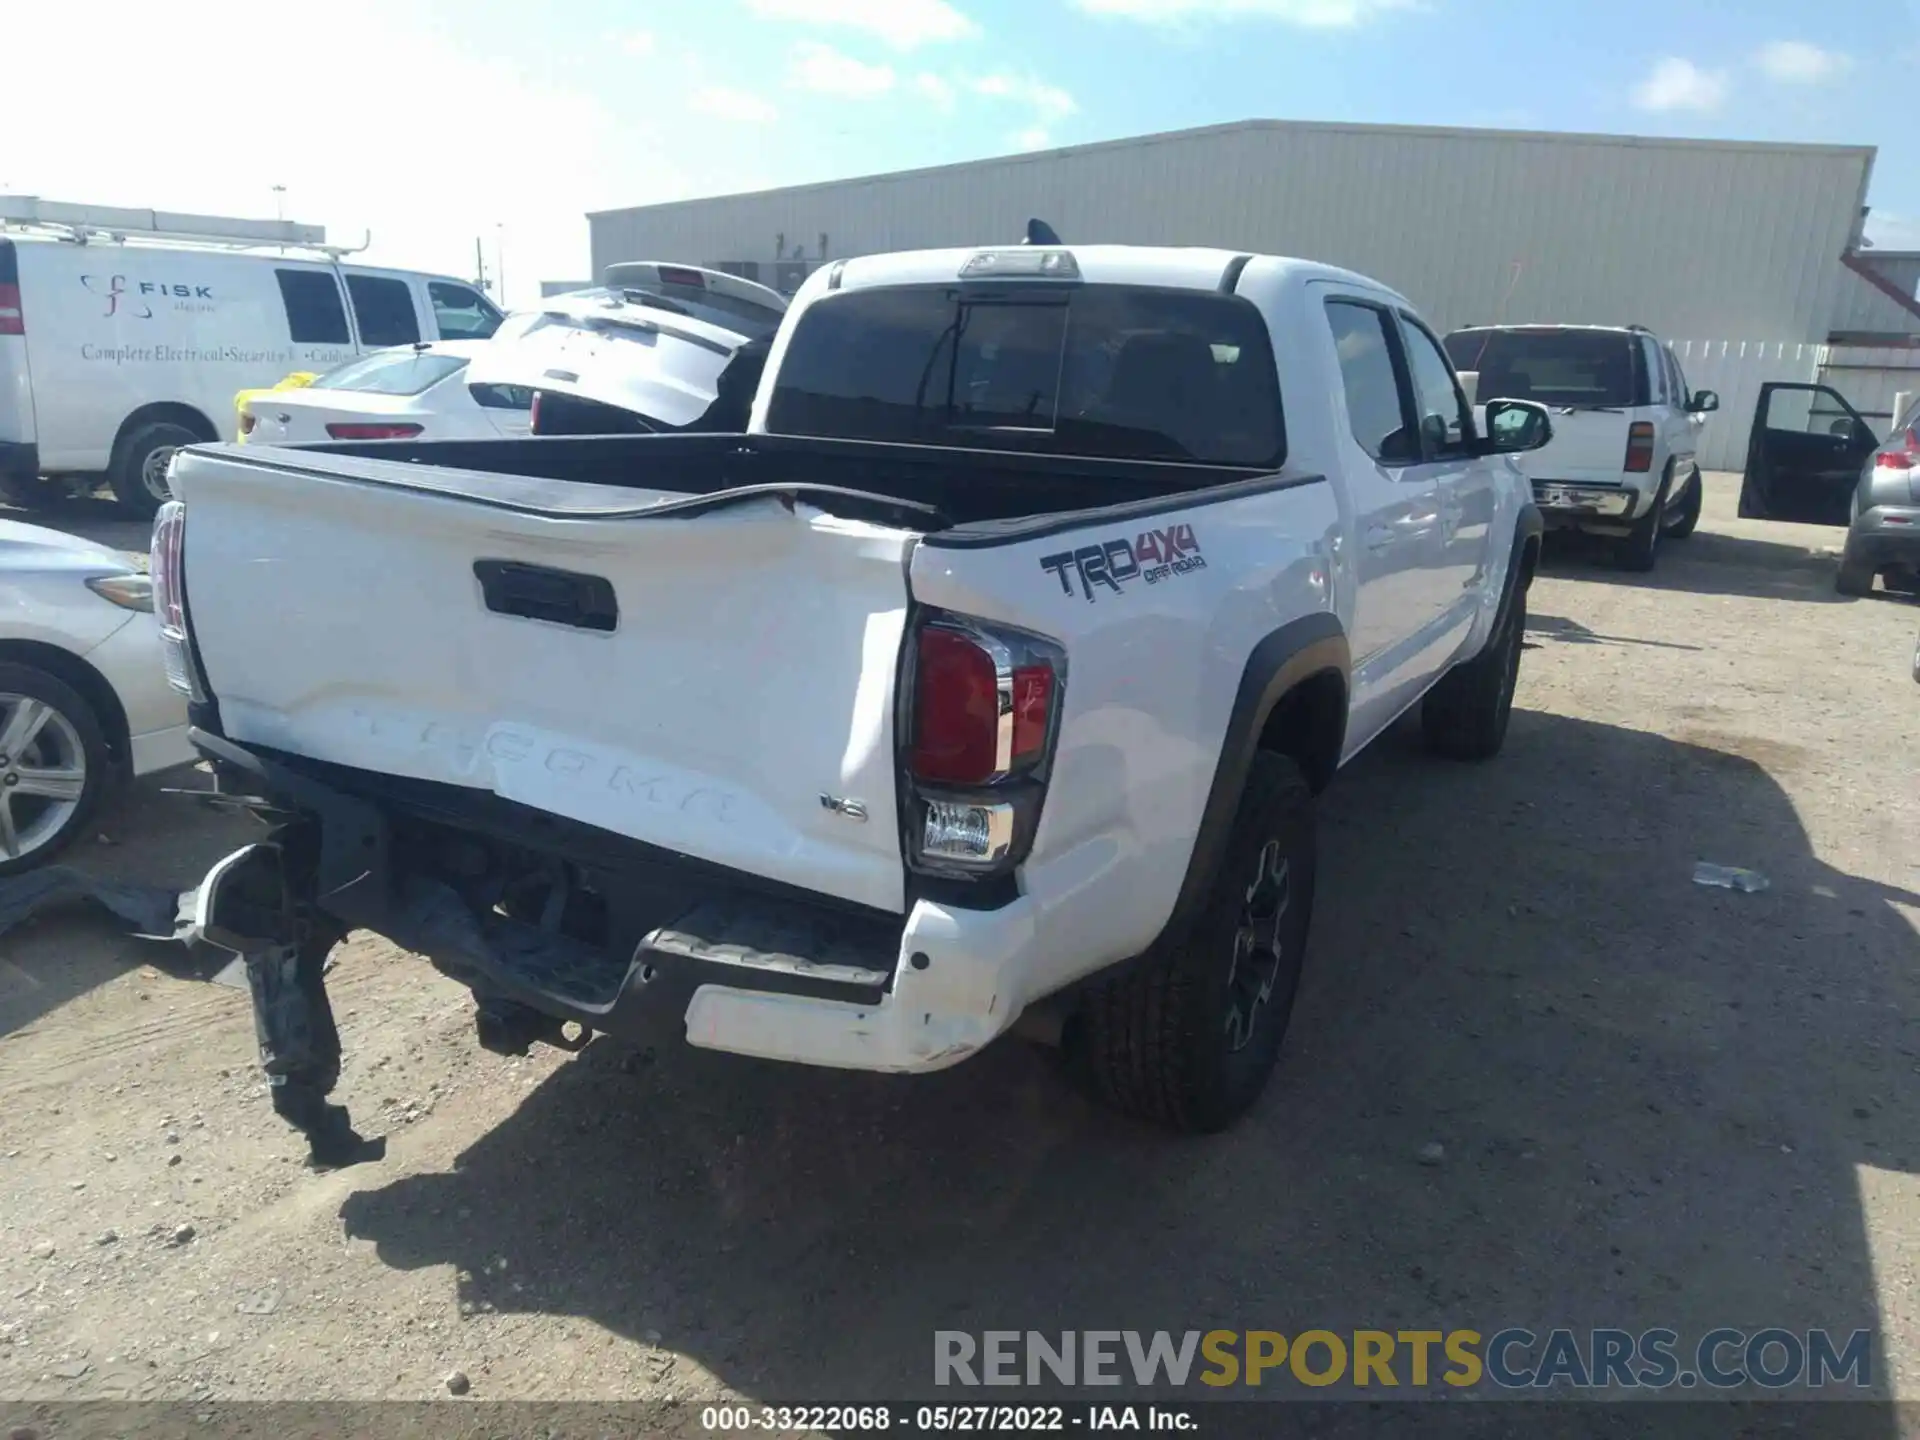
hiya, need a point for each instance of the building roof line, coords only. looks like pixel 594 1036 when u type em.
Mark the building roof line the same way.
pixel 1164 137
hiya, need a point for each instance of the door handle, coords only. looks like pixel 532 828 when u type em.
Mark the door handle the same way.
pixel 1379 537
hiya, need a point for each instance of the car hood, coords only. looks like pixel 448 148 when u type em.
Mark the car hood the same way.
pixel 33 547
pixel 658 365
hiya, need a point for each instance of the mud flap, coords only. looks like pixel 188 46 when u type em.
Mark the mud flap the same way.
pixel 247 906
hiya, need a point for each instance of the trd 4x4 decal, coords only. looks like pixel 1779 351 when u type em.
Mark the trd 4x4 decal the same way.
pixel 1152 556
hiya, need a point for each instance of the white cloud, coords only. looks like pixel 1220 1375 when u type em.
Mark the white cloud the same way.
pixel 1795 62
pixel 724 102
pixel 1033 138
pixel 825 69
pixel 1049 102
pixel 1677 84
pixel 940 92
pixel 904 24
pixel 639 43
pixel 1311 14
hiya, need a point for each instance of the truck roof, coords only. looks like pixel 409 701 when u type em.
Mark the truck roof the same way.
pixel 1179 266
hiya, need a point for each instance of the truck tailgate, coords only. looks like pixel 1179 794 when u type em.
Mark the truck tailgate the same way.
pixel 701 681
pixel 1587 445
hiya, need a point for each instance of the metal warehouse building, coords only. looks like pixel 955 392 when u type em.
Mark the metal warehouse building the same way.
pixel 1712 243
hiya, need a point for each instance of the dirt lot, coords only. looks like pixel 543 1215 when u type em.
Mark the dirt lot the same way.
pixel 1659 1104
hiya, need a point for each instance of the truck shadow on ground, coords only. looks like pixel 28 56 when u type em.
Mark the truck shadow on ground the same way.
pixel 1658 1105
pixel 52 957
pixel 1708 562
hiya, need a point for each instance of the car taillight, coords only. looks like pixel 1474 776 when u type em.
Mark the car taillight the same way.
pixel 1902 452
pixel 344 430
pixel 678 275
pixel 166 559
pixel 13 320
pixel 983 715
pixel 1640 447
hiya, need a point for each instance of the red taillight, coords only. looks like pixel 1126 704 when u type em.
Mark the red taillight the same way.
pixel 163 564
pixel 1907 456
pixel 981 711
pixel 342 430
pixel 956 731
pixel 166 556
pixel 984 705
pixel 13 320
pixel 676 275
pixel 1640 447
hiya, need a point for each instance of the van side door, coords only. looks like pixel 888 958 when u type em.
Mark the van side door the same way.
pixel 315 309
pixel 385 310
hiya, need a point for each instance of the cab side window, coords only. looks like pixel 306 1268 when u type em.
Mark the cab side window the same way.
pixel 1378 409
pixel 1445 425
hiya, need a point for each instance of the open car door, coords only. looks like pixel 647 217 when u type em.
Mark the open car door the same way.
pixel 1804 455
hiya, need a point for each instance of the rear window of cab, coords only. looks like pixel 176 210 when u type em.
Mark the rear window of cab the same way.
pixel 1108 371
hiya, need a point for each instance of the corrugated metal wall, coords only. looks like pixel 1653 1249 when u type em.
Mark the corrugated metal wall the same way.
pixel 1861 309
pixel 1868 377
pixel 1735 370
pixel 1691 238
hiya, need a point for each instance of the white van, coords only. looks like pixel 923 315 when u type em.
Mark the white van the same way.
pixel 126 334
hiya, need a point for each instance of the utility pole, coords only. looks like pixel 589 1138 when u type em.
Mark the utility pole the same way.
pixel 280 203
pixel 480 267
pixel 500 259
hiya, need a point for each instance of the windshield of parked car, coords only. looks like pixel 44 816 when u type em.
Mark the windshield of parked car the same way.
pixel 1568 368
pixel 1102 370
pixel 391 372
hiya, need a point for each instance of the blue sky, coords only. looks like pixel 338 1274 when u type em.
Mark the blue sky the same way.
pixel 431 122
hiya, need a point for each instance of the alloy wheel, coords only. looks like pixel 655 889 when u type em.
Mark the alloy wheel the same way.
pixel 43 774
pixel 1257 949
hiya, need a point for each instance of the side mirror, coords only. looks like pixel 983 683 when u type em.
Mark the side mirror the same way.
pixel 1516 426
pixel 1704 402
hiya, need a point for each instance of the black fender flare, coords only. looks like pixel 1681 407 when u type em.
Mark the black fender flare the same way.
pixel 1300 650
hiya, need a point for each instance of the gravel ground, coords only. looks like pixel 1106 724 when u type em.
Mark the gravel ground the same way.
pixel 1655 1103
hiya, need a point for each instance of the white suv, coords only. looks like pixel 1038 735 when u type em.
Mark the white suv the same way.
pixel 1625 427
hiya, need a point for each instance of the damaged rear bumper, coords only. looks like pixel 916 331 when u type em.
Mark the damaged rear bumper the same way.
pixel 779 976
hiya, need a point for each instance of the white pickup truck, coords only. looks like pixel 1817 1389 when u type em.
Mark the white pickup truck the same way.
pixel 992 671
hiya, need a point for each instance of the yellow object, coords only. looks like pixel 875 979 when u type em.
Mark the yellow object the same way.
pixel 299 380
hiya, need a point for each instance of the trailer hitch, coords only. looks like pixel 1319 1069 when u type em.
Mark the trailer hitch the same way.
pixel 247 905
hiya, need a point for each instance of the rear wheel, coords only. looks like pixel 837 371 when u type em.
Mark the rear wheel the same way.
pixel 1189 1038
pixel 139 471
pixel 1465 716
pixel 1641 545
pixel 1855 576
pixel 1682 522
pixel 54 766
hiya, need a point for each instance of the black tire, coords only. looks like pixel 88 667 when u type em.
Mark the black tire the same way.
pixel 1688 517
pixel 1189 1038
pixel 1464 717
pixel 132 481
pixel 1641 546
pixel 24 816
pixel 1854 577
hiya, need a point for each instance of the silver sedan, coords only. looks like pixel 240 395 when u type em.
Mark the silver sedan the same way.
pixel 84 699
pixel 1883 526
